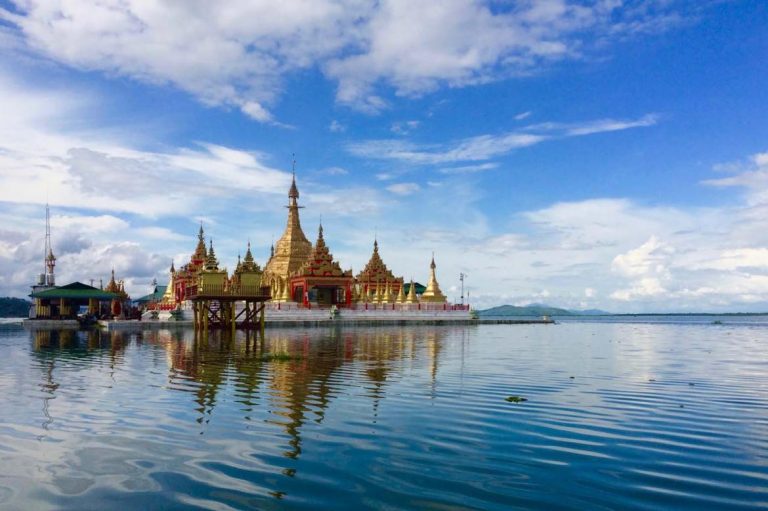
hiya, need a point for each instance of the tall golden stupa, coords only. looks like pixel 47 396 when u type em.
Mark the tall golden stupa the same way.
pixel 291 252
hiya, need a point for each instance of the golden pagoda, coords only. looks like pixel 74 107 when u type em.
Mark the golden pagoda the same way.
pixel 291 252
pixel 432 293
pixel 377 279
pixel 211 280
pixel 411 298
pixel 121 297
pixel 247 276
pixel 186 277
pixel 400 295
pixel 321 279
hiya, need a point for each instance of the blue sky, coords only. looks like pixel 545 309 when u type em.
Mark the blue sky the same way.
pixel 609 154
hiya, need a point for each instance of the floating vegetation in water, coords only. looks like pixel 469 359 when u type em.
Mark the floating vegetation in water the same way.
pixel 651 379
pixel 717 322
pixel 278 357
pixel 515 399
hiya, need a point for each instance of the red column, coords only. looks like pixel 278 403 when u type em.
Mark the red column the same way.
pixel 348 295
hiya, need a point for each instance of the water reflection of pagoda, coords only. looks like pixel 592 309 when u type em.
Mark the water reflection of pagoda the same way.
pixel 295 375
pixel 305 275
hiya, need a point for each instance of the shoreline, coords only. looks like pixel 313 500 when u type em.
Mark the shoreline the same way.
pixel 132 325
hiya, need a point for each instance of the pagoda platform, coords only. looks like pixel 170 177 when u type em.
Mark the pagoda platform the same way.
pixel 321 318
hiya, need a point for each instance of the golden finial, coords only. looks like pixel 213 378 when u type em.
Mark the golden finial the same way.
pixel 293 193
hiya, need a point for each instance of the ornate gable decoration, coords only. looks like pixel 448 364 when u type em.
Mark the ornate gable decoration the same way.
pixel 376 270
pixel 321 263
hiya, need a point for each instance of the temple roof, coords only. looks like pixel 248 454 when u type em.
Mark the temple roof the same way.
pixel 211 263
pixel 74 291
pixel 248 263
pixel 320 262
pixel 115 287
pixel 155 296
pixel 200 249
pixel 375 270
pixel 418 288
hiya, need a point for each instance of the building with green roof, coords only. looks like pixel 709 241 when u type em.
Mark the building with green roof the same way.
pixel 63 302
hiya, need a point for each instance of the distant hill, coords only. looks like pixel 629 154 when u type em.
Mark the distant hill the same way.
pixel 14 308
pixel 537 309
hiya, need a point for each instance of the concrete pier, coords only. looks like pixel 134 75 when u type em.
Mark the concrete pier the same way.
pixel 48 324
pixel 298 322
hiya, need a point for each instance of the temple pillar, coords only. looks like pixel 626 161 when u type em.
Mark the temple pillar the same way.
pixel 233 323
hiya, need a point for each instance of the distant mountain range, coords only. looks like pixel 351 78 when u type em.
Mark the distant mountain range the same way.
pixel 537 309
pixel 14 308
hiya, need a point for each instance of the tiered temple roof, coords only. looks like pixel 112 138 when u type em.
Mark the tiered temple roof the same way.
pixel 320 262
pixel 376 281
pixel 116 287
pixel 375 270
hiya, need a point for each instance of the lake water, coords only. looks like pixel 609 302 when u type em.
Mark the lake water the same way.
pixel 619 415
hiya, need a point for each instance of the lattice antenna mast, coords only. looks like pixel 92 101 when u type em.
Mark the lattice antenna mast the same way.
pixel 47 246
pixel 50 259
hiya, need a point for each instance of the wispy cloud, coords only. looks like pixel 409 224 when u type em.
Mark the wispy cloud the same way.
pixel 404 127
pixel 469 169
pixel 522 115
pixel 485 147
pixel 404 188
pixel 336 127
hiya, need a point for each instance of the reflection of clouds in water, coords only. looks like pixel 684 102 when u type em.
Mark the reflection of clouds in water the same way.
pixel 388 413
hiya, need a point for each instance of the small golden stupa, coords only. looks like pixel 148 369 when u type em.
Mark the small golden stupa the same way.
pixel 433 294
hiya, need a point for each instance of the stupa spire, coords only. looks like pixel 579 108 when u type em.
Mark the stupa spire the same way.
pixel 211 263
pixel 433 293
pixel 411 298
pixel 293 192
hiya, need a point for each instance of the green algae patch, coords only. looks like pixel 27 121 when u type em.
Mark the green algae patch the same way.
pixel 279 357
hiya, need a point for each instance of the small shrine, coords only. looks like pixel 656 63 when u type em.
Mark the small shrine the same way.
pixel 377 283
pixel 247 276
pixel 117 288
pixel 320 279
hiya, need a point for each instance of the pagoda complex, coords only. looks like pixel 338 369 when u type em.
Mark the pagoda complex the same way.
pixel 298 272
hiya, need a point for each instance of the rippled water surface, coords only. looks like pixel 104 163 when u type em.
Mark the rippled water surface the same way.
pixel 618 416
